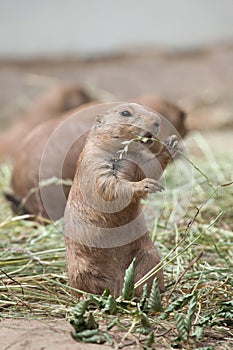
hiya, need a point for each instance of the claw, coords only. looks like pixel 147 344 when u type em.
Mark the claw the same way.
pixel 172 141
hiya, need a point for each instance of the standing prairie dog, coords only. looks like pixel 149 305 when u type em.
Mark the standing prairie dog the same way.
pixel 104 224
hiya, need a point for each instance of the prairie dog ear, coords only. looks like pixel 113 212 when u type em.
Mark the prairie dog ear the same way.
pixel 99 120
pixel 183 115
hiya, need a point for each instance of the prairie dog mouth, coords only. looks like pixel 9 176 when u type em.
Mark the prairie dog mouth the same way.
pixel 147 135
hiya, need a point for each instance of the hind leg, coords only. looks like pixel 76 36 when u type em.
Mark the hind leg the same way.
pixel 145 261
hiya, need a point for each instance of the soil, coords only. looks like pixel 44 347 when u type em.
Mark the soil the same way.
pixel 23 334
pixel 40 335
pixel 201 82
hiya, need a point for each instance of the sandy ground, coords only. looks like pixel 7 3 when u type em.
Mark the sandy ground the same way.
pixel 39 335
pixel 201 82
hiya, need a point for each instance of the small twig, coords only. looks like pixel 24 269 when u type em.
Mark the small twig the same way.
pixel 12 279
pixel 163 334
pixel 29 253
pixel 133 324
pixel 227 184
pixel 183 273
pixel 162 263
pixel 122 346
pixel 16 218
pixel 199 170
pixel 190 223
pixel 16 297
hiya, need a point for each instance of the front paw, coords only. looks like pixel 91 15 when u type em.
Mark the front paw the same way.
pixel 145 186
pixel 171 144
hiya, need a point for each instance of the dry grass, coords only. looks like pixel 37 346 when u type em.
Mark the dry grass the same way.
pixel 33 268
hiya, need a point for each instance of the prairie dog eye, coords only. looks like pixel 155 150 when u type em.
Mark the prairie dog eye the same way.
pixel 126 113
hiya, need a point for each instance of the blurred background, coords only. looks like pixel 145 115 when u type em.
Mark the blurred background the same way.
pixel 87 28
pixel 181 50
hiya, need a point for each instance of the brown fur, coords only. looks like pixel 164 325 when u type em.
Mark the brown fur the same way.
pixel 104 226
pixel 174 114
pixel 26 171
pixel 51 104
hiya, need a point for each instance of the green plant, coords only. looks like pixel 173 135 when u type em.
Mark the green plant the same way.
pixel 34 283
